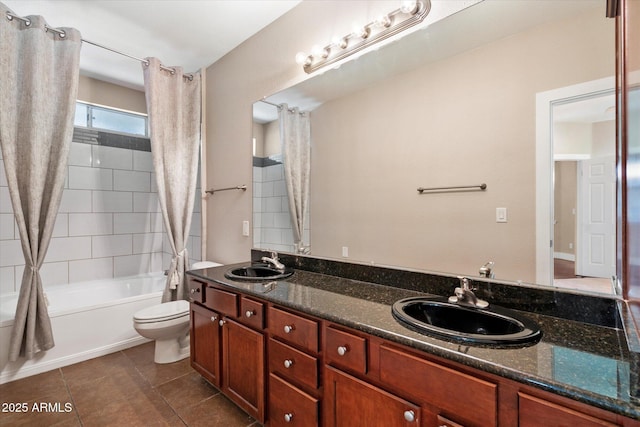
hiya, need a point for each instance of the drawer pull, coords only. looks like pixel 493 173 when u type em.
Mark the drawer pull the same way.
pixel 214 318
pixel 288 363
pixel 288 417
pixel 249 313
pixel 288 329
pixel 409 416
pixel 342 350
pixel 194 290
pixel 222 322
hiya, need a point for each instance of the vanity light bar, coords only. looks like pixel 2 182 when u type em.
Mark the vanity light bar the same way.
pixel 406 16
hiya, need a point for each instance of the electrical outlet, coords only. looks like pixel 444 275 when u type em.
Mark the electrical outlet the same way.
pixel 245 228
pixel 345 251
pixel 501 214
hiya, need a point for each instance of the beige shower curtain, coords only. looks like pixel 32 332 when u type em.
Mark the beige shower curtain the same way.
pixel 173 105
pixel 38 90
pixel 295 138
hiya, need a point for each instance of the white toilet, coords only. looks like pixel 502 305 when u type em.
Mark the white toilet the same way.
pixel 168 325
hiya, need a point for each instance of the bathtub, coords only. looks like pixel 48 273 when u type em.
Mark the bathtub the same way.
pixel 89 319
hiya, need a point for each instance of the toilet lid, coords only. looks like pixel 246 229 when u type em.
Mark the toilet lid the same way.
pixel 165 311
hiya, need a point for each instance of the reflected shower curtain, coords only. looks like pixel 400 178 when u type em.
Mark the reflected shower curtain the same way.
pixel 173 105
pixel 38 89
pixel 295 137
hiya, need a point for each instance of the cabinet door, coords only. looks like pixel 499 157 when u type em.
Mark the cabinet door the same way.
pixel 243 367
pixel 205 343
pixel 538 412
pixel 350 402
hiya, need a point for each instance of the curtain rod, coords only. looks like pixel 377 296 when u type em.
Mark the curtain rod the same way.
pixel 27 22
pixel 279 107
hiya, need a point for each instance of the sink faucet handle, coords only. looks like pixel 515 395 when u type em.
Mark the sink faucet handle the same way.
pixel 465 283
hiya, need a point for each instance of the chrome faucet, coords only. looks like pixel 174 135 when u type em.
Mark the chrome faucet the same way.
pixel 464 295
pixel 487 270
pixel 274 261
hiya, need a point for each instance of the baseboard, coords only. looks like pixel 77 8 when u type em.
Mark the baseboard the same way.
pixel 564 256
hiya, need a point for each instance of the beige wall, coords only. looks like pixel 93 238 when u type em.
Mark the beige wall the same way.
pixel 565 207
pixel 103 93
pixel 363 185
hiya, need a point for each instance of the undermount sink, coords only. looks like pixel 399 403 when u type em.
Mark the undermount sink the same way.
pixel 257 273
pixel 494 326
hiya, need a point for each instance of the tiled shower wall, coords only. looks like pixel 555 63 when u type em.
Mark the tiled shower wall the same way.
pixel 272 227
pixel 109 223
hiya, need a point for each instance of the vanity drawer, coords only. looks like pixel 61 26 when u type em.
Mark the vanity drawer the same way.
pixel 290 406
pixel 221 301
pixel 196 291
pixel 536 412
pixel 440 386
pixel 293 364
pixel 252 313
pixel 345 350
pixel 294 329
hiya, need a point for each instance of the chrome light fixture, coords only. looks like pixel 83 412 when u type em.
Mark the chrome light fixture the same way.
pixel 410 13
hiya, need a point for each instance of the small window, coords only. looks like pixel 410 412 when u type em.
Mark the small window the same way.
pixel 95 117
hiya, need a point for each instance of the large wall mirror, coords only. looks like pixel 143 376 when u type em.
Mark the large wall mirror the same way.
pixel 516 95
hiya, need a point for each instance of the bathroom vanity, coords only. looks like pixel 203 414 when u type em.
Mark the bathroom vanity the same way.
pixel 317 349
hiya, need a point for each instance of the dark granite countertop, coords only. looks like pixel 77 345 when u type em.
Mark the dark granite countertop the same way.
pixel 585 362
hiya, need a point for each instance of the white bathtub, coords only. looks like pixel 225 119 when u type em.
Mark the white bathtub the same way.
pixel 89 319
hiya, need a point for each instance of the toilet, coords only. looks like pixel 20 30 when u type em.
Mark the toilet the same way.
pixel 168 325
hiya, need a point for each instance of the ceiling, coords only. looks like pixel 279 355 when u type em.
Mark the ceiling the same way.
pixel 188 33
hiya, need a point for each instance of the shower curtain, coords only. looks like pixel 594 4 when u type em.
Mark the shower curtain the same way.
pixel 173 105
pixel 295 137
pixel 38 89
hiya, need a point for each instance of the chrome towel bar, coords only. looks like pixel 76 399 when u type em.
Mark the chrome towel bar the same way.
pixel 481 187
pixel 239 187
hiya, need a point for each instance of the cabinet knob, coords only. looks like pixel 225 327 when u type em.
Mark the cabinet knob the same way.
pixel 288 417
pixel 194 290
pixel 222 322
pixel 342 350
pixel 409 416
pixel 249 313
pixel 288 329
pixel 214 318
pixel 288 363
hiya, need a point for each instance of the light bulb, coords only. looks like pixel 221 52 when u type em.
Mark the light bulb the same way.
pixel 409 6
pixel 341 42
pixel 319 52
pixel 383 21
pixel 303 59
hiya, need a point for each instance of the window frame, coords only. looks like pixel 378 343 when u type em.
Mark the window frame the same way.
pixel 89 119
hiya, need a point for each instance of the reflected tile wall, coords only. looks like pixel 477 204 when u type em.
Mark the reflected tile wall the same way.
pixel 109 222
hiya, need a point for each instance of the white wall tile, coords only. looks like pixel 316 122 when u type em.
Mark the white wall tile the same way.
pixel 54 273
pixel 112 201
pixel 142 161
pixel 82 178
pixel 7 224
pixel 195 225
pixel 61 227
pixel 75 201
pixel 68 248
pixel 147 243
pixel 131 265
pixel 112 245
pixel 196 247
pixel 7 281
pixel 3 175
pixel 131 223
pixel 156 262
pixel 154 183
pixel 80 154
pixel 10 253
pixel 112 158
pixel 157 222
pixel 5 200
pixel 90 224
pixel 131 180
pixel 146 202
pixel 90 269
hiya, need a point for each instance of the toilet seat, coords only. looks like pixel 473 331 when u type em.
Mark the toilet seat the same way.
pixel 162 312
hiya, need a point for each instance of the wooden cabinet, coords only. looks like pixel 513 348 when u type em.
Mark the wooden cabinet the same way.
pixel 345 350
pixel 230 355
pixel 243 367
pixel 205 343
pixel 290 406
pixel 535 412
pixel 350 402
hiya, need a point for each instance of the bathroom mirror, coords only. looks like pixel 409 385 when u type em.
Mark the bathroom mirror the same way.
pixel 458 104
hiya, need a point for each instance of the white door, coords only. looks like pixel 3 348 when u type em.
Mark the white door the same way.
pixel 596 232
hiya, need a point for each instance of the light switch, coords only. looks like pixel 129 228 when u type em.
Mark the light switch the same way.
pixel 501 214
pixel 245 228
pixel 345 251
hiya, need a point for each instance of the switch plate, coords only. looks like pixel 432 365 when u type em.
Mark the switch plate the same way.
pixel 245 228
pixel 501 214
pixel 345 251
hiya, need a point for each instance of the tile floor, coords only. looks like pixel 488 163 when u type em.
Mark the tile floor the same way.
pixel 120 389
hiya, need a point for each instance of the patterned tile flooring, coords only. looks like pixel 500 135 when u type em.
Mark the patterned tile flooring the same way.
pixel 125 388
